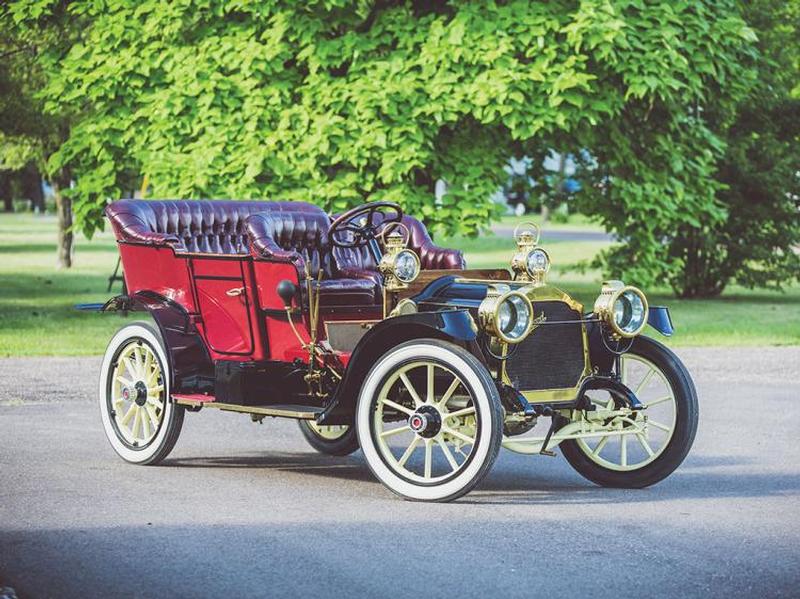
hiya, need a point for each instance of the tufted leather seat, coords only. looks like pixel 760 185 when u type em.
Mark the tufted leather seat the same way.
pixel 196 226
pixel 358 262
pixel 301 237
pixel 292 232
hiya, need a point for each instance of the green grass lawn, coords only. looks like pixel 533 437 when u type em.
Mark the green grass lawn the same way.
pixel 37 315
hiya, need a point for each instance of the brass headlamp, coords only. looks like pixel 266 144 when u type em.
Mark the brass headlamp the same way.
pixel 623 308
pixel 399 265
pixel 530 263
pixel 507 315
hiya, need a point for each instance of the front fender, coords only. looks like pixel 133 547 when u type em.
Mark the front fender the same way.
pixel 456 326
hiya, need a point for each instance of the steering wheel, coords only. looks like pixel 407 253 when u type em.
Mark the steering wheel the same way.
pixel 359 226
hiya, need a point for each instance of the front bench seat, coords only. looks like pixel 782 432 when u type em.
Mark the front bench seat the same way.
pixel 300 238
pixel 359 263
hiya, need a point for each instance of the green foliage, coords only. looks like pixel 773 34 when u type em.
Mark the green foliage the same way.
pixel 755 242
pixel 340 102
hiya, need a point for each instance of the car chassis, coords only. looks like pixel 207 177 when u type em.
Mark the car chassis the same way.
pixel 371 336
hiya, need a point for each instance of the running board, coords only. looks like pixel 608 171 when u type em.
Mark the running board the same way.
pixel 297 412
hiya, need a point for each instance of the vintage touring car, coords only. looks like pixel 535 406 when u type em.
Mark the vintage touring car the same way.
pixel 373 337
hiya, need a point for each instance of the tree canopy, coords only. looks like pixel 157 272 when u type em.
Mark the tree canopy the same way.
pixel 339 102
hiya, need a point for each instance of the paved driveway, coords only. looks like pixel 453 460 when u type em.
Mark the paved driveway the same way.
pixel 247 510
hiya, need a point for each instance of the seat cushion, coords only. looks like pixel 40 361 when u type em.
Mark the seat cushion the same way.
pixel 348 292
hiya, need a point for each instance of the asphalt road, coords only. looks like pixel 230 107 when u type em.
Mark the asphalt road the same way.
pixel 249 510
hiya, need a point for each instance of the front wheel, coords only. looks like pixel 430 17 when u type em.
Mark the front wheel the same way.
pixel 140 421
pixel 338 440
pixel 638 449
pixel 429 420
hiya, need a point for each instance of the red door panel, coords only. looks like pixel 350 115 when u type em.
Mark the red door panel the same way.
pixel 224 306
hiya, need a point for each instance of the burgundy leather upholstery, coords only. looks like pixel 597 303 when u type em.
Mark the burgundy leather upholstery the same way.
pixel 292 232
pixel 300 237
pixel 358 262
pixel 204 226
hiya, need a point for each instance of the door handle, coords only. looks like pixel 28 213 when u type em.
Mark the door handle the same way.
pixel 235 291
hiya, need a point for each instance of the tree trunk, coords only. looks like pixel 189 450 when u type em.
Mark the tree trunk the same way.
pixel 65 237
pixel 32 187
pixel 5 192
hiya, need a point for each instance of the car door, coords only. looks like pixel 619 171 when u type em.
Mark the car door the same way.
pixel 224 305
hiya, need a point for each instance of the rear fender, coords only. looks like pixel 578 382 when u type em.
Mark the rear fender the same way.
pixel 190 364
pixel 455 326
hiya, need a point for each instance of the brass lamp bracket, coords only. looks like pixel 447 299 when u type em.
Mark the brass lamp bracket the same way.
pixel 527 235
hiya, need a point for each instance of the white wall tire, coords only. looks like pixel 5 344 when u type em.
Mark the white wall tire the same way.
pixel 483 404
pixel 161 419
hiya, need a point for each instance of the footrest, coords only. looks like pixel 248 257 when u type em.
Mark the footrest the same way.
pixel 296 411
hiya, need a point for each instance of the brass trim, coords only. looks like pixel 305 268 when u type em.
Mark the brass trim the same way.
pixel 549 293
pixel 544 293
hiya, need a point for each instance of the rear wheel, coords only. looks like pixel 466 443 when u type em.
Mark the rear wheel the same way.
pixel 334 439
pixel 140 421
pixel 641 447
pixel 429 420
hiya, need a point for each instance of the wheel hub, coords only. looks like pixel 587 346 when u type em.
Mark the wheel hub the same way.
pixel 138 394
pixel 426 422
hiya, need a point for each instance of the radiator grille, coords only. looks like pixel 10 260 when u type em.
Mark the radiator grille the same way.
pixel 552 356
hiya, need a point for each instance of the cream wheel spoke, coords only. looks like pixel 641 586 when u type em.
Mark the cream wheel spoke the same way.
pixel 395 431
pixel 428 457
pixel 658 425
pixel 128 415
pixel 129 367
pixel 644 382
pixel 660 400
pixel 448 454
pixel 448 394
pixel 155 390
pixel 151 412
pixel 601 445
pixel 145 424
pixel 124 380
pixel 397 406
pixel 137 418
pixel 413 392
pixel 459 435
pixel 138 361
pixel 156 402
pixel 147 367
pixel 458 413
pixel 645 445
pixel 623 450
pixel 412 446
pixel 430 395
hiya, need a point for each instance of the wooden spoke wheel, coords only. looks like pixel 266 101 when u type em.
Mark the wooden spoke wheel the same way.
pixel 140 421
pixel 429 420
pixel 641 447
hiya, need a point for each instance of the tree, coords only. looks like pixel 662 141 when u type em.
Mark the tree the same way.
pixel 340 102
pixel 29 134
pixel 756 241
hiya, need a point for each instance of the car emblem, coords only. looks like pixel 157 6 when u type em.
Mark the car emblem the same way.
pixel 417 422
